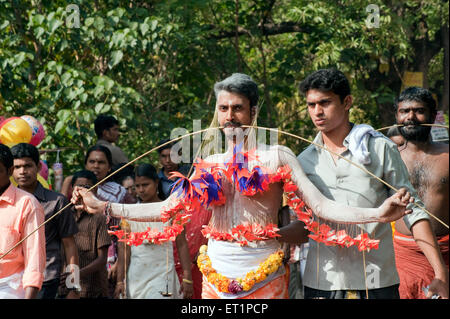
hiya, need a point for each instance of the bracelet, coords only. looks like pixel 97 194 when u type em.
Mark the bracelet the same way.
pixel 107 211
pixel 188 281
pixel 75 288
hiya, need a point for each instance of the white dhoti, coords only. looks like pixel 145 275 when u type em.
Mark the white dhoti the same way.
pixel 152 273
pixel 233 261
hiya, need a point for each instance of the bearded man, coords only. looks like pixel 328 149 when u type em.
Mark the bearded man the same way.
pixel 232 262
pixel 427 163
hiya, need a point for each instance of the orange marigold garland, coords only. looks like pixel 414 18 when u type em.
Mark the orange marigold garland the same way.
pixel 245 283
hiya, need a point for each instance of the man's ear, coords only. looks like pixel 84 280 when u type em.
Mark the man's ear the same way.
pixel 39 166
pixel 348 102
pixel 253 112
pixel 433 117
pixel 10 171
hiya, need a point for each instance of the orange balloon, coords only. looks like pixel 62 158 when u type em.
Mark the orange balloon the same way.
pixel 15 130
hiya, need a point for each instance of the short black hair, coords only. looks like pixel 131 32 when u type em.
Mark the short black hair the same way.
pixel 104 122
pixel 84 174
pixel 167 146
pixel 22 150
pixel 102 149
pixel 6 156
pixel 123 174
pixel 326 80
pixel 239 83
pixel 418 94
pixel 147 170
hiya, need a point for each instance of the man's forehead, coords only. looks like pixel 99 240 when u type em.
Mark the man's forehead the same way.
pixel 318 95
pixel 226 97
pixel 165 152
pixel 411 104
pixel 23 160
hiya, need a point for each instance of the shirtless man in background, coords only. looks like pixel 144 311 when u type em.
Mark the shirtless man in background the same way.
pixel 428 166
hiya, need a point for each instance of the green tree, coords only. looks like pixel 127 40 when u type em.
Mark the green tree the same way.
pixel 152 64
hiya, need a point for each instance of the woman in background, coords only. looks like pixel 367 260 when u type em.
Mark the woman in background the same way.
pixel 150 268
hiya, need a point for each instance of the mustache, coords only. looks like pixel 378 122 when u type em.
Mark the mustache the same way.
pixel 232 123
pixel 414 123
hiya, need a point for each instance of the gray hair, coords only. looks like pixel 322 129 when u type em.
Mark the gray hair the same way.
pixel 239 83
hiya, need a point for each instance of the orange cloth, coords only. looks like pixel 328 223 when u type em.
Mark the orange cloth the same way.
pixel 275 289
pixel 413 268
pixel 20 214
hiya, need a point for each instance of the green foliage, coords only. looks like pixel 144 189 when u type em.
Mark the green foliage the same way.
pixel 152 64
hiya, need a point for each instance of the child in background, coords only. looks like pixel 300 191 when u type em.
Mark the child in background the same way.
pixel 125 177
pixel 92 241
pixel 128 183
pixel 150 270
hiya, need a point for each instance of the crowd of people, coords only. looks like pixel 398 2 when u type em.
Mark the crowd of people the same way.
pixel 231 233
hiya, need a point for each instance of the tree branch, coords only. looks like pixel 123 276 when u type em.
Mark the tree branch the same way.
pixel 266 29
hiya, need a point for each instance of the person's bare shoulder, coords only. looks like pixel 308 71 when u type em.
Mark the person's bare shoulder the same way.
pixel 444 147
pixel 440 149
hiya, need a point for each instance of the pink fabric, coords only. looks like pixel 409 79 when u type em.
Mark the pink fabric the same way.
pixel 275 289
pixel 20 214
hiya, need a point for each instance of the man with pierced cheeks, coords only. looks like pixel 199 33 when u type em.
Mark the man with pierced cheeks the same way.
pixel 236 105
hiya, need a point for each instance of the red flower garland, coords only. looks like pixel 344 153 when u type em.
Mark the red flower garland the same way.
pixel 321 233
pixel 205 189
pixel 243 233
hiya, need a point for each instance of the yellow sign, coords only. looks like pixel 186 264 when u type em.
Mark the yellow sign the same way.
pixel 412 79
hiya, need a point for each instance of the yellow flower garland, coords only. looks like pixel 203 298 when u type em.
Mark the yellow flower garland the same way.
pixel 227 285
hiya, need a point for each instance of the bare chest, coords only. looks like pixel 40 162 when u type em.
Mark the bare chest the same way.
pixel 428 173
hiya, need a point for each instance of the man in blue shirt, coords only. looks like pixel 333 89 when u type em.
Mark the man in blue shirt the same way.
pixel 168 166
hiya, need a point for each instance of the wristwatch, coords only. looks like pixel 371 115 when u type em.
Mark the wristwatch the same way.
pixel 76 288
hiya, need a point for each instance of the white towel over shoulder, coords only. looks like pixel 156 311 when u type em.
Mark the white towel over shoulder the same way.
pixel 358 140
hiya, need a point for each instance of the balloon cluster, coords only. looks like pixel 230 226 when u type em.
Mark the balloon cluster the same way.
pixel 24 129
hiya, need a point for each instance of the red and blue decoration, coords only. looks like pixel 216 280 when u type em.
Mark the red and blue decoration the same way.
pixel 204 189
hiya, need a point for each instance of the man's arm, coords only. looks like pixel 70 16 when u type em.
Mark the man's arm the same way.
pixel 71 253
pixel 31 292
pixel 33 249
pixel 185 260
pixel 97 264
pixel 426 240
pixel 392 209
pixel 123 263
pixel 294 233
pixel 396 173
pixel 144 212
